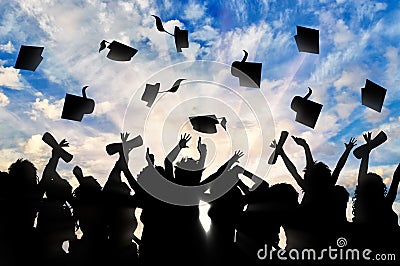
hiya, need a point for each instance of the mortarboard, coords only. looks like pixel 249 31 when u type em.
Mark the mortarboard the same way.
pixel 181 36
pixel 118 51
pixel 364 149
pixel 51 141
pixel 207 123
pixel 307 40
pixel 249 73
pixel 151 91
pixel 181 39
pixel 373 95
pixel 113 148
pixel 76 106
pixel 29 57
pixel 307 111
pixel 274 156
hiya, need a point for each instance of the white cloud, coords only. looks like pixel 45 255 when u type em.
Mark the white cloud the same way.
pixel 4 101
pixel 373 116
pixel 343 36
pixel 205 33
pixel 194 11
pixel 393 66
pixel 352 79
pixel 10 77
pixel 35 145
pixel 47 109
pixel 8 47
pixel 103 108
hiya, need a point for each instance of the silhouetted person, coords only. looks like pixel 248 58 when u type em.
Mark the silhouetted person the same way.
pixel 316 215
pixel 120 214
pixel 88 205
pixel 155 216
pixel 55 223
pixel 21 197
pixel 375 222
pixel 224 213
pixel 189 241
pixel 268 209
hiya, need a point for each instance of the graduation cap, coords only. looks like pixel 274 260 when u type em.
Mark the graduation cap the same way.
pixel 181 36
pixel 373 95
pixel 151 91
pixel 118 51
pixel 249 73
pixel 76 106
pixel 363 150
pixel 114 148
pixel 207 123
pixel 51 141
pixel 274 156
pixel 29 57
pixel 307 111
pixel 307 40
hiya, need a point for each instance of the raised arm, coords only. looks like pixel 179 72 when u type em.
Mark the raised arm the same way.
pixel 342 160
pixel 391 195
pixel 202 148
pixel 171 157
pixel 50 171
pixel 302 142
pixel 235 158
pixel 364 159
pixel 290 166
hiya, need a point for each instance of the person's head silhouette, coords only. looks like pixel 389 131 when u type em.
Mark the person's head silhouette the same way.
pixel 23 173
pixel 317 176
pixel 188 172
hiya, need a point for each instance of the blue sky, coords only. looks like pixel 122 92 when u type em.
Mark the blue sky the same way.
pixel 358 41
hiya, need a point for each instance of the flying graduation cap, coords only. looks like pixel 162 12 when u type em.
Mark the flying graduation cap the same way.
pixel 118 51
pixel 307 111
pixel 249 73
pixel 373 95
pixel 181 36
pixel 207 123
pixel 151 91
pixel 307 40
pixel 29 57
pixel 76 106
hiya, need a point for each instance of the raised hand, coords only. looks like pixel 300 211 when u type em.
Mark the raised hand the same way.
pixel 201 147
pixel 236 156
pixel 367 136
pixel 149 157
pixel 351 144
pixel 299 141
pixel 184 140
pixel 63 143
pixel 273 144
pixel 124 137
pixel 77 171
pixel 57 150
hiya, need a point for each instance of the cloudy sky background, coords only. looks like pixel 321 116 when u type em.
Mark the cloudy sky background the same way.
pixel 358 41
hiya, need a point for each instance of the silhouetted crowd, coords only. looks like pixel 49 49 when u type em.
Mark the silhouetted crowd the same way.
pixel 38 215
